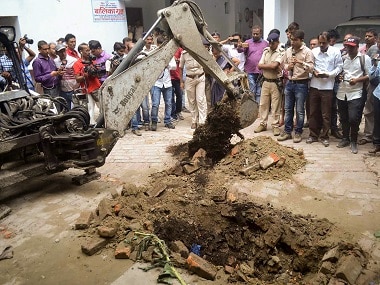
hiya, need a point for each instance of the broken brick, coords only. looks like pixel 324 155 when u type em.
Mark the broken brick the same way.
pixel 367 277
pixel 201 267
pixel 156 190
pixel 327 268
pixel 332 255
pixel 190 168
pixel 272 236
pixel 93 245
pixel 229 269
pixel 349 269
pixel 269 160
pixel 107 232
pixel 180 247
pixel 104 209
pixel 123 251
pixel 84 220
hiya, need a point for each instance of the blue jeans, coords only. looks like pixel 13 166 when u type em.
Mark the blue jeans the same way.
pixel 254 86
pixel 145 109
pixel 134 121
pixel 167 93
pixel 295 96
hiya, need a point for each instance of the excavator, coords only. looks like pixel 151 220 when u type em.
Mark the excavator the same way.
pixel 35 139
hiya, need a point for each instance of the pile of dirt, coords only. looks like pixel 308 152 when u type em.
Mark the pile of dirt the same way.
pixel 252 242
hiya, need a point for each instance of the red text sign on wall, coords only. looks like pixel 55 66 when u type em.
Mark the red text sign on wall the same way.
pixel 108 11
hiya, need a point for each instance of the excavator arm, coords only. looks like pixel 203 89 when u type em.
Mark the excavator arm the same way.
pixel 123 92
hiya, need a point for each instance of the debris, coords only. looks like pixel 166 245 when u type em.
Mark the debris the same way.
pixel 180 247
pixel 93 245
pixel 269 160
pixel 201 267
pixel 349 269
pixel 156 190
pixel 123 251
pixel 169 270
pixel 84 220
pixel 7 253
pixel 4 211
pixel 246 170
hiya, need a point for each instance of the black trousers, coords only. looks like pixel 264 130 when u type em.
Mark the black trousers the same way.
pixel 350 113
pixel 176 98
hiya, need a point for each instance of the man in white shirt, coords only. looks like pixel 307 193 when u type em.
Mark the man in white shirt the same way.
pixel 232 50
pixel 68 83
pixel 163 85
pixel 355 72
pixel 327 65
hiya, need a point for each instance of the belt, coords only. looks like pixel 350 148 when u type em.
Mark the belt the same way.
pixel 271 80
pixel 301 81
pixel 195 75
pixel 49 87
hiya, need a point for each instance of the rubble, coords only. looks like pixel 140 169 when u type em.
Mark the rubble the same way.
pixel 248 241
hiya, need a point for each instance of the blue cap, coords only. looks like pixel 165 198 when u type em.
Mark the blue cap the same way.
pixel 273 37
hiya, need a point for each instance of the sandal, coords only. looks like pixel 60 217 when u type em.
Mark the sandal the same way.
pixel 363 141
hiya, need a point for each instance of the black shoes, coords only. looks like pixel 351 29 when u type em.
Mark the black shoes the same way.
pixel 354 147
pixel 375 149
pixel 154 126
pixel 343 143
pixel 311 140
pixel 325 142
pixel 170 126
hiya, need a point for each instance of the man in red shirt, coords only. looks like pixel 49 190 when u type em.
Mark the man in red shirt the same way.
pixel 177 91
pixel 88 81
pixel 71 42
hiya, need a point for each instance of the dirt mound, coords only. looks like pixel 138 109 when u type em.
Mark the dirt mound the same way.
pixel 252 242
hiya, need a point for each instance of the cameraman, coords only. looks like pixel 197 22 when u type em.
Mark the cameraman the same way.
pixel 101 58
pixel 119 54
pixel 85 75
pixel 25 62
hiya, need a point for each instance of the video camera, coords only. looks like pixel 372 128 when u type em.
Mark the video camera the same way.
pixel 28 41
pixel 116 59
pixel 92 69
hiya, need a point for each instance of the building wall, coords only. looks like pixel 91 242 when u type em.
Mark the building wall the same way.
pixel 51 19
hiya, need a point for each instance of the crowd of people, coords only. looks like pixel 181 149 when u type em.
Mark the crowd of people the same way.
pixel 320 86
pixel 316 85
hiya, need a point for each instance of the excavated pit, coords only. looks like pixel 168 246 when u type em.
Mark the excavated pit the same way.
pixel 193 202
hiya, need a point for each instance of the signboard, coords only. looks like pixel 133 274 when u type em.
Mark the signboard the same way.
pixel 108 11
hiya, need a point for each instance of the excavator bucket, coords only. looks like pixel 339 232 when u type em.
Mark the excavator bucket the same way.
pixel 249 110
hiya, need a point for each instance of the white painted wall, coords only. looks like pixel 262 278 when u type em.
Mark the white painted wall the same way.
pixel 51 19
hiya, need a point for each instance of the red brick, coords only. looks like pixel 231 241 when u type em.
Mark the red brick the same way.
pixel 123 251
pixel 201 267
pixel 107 232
